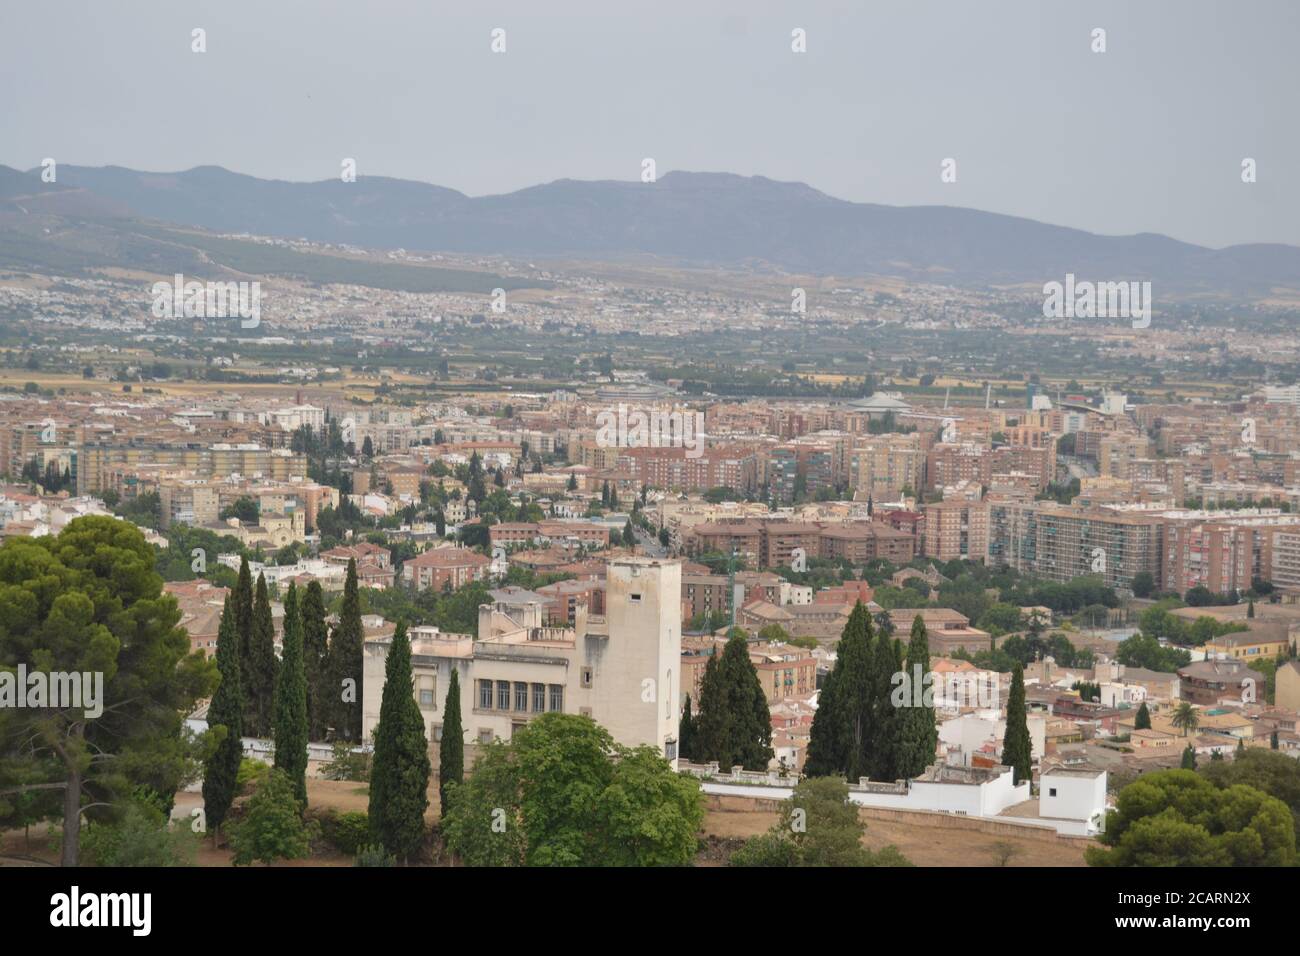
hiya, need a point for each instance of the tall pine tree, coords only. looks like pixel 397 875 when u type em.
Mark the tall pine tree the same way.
pixel 399 776
pixel 226 709
pixel 882 755
pixel 259 687
pixel 451 749
pixel 686 733
pixel 841 731
pixel 291 702
pixel 736 724
pixel 1016 748
pixel 1143 719
pixel 315 649
pixel 712 724
pixel 918 733
pixel 242 606
pixel 344 691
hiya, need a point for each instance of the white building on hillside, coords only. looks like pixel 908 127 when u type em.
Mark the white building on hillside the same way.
pixel 623 670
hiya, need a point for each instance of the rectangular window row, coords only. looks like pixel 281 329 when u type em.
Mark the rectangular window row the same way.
pixel 503 696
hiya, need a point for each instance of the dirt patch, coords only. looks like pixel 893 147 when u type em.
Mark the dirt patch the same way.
pixel 924 840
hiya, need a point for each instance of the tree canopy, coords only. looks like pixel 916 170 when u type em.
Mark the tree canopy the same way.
pixel 1180 818
pixel 88 601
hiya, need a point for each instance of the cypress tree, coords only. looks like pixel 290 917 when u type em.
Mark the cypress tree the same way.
pixel 315 648
pixel 440 523
pixel 712 727
pixel 1016 748
pixel 399 778
pixel 1143 719
pixel 226 708
pixel 451 750
pixel 883 730
pixel 841 730
pixel 918 732
pixel 262 664
pixel 735 722
pixel 344 691
pixel 291 702
pixel 751 731
pixel 476 491
pixel 1189 758
pixel 825 756
pixel 686 733
pixel 242 606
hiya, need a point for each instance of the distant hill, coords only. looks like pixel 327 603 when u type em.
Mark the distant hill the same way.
pixel 706 219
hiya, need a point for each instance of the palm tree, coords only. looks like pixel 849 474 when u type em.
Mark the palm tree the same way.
pixel 1186 717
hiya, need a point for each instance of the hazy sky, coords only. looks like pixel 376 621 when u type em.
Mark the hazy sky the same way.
pixel 1146 137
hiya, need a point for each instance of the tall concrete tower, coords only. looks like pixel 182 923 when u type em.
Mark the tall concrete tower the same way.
pixel 637 662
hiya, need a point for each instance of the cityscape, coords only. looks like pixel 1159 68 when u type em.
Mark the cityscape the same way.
pixel 644 519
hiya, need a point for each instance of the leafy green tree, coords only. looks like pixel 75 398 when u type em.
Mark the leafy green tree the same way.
pixel 451 749
pixel 244 508
pixel 1266 770
pixel 1188 761
pixel 315 653
pixel 1143 584
pixel 918 735
pixel 563 793
pixel 399 776
pixel 483 825
pixel 225 717
pixel 1179 818
pixel 291 702
pixel 273 828
pixel 1001 619
pixel 564 765
pixel 1143 719
pixel 1144 650
pixel 260 675
pixel 648 815
pixel 89 601
pixel 347 762
pixel 374 856
pixel 344 691
pixel 819 826
pixel 1016 746
pixel 140 837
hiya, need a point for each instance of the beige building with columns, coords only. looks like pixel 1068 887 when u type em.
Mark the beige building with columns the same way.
pixel 623 669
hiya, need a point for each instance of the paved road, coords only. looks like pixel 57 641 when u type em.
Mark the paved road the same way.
pixel 649 544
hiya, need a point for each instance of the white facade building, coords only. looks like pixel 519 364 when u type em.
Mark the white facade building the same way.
pixel 622 670
pixel 1075 795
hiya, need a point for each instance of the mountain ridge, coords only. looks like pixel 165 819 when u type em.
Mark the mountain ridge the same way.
pixel 716 219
